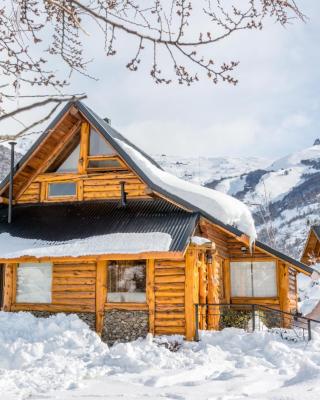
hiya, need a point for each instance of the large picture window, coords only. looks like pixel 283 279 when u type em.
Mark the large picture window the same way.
pixel 34 281
pixel 126 281
pixel 253 279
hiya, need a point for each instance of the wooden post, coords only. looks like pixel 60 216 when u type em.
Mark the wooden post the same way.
pixel 191 258
pixel 8 287
pixel 203 291
pixel 151 294
pixel 227 282
pixel 284 296
pixel 84 147
pixel 101 289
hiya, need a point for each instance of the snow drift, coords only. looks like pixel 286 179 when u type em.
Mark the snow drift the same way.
pixel 60 353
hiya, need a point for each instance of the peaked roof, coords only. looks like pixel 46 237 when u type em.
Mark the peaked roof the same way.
pixel 310 244
pixel 131 154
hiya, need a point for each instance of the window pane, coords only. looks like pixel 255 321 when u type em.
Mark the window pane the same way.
pixel 241 279
pixel 71 163
pixel 126 281
pixel 62 189
pixel 34 282
pixel 98 145
pixel 111 163
pixel 264 279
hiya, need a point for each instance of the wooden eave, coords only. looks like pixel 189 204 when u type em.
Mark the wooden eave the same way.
pixel 172 255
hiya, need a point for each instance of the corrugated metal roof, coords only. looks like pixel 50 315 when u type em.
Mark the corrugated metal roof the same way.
pixel 67 221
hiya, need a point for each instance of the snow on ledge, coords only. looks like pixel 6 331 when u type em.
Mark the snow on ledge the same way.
pixel 116 243
pixel 199 241
pixel 219 205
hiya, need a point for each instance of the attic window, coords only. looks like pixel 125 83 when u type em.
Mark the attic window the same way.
pixel 99 146
pixel 62 189
pixel 104 164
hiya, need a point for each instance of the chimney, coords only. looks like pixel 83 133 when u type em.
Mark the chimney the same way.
pixel 123 194
pixel 107 120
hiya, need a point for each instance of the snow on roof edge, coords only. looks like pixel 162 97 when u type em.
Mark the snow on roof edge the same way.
pixel 222 207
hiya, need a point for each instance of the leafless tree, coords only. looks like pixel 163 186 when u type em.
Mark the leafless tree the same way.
pixel 169 27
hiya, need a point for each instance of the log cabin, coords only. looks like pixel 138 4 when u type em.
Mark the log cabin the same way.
pixel 100 230
pixel 311 251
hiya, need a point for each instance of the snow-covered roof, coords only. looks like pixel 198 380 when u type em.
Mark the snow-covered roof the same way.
pixel 116 243
pixel 219 207
pixel 95 228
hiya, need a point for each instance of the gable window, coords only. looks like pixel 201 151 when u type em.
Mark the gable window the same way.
pixel 62 189
pixel 34 281
pixel 253 279
pixel 99 146
pixel 126 281
pixel 71 163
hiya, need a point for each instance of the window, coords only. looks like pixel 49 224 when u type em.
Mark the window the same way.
pixel 61 189
pixel 126 281
pixel 34 282
pixel 99 146
pixel 253 279
pixel 106 163
pixel 71 163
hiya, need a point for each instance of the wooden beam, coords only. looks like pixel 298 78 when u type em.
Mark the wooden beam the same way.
pixel 101 290
pixel 191 258
pixel 84 147
pixel 100 257
pixel 151 294
pixel 8 287
pixel 284 297
pixel 127 306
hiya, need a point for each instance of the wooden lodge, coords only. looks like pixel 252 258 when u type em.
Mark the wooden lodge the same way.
pixel 311 251
pixel 94 233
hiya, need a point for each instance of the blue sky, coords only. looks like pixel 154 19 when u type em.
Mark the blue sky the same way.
pixel 273 111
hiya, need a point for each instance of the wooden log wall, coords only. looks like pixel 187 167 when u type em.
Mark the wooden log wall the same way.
pixel 293 289
pixel 74 285
pixel 90 187
pixel 169 285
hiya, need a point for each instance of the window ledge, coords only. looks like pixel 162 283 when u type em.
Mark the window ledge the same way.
pixel 126 306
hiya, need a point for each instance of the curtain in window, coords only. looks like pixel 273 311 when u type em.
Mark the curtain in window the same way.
pixel 126 281
pixel 34 281
pixel 253 279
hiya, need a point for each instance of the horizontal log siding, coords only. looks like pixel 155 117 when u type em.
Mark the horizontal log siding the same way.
pixel 293 295
pixel 74 285
pixel 31 194
pixel 169 283
pixel 96 187
pixel 108 186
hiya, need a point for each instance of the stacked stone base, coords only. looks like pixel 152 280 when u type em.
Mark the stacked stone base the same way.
pixel 124 326
pixel 119 325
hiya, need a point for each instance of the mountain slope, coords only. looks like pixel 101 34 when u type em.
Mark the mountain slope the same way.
pixel 283 196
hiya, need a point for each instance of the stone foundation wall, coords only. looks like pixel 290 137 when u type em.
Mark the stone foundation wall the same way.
pixel 124 326
pixel 88 318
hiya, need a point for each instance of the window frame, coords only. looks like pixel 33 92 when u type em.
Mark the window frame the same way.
pixel 131 305
pixel 66 197
pixel 252 261
pixel 16 280
pixel 103 169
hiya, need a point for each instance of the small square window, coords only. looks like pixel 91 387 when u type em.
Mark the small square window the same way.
pixel 61 189
pixel 34 282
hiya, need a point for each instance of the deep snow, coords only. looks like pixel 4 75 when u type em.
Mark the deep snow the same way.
pixel 60 358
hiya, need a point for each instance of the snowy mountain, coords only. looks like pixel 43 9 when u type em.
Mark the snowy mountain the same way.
pixel 283 196
pixel 5 160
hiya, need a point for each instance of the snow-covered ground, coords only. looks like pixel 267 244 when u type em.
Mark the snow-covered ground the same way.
pixel 60 358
